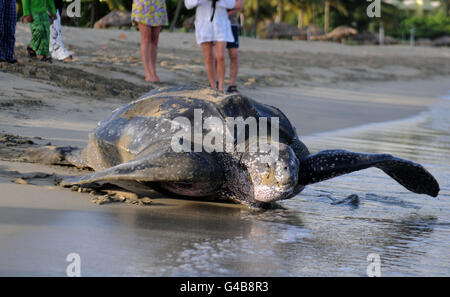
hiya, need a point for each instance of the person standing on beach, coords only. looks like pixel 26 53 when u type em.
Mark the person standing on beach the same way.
pixel 150 16
pixel 8 18
pixel 213 31
pixel 233 47
pixel 57 49
pixel 35 13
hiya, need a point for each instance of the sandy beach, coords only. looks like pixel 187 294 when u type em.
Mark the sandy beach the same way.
pixel 320 86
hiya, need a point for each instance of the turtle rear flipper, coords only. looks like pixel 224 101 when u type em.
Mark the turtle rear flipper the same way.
pixel 169 167
pixel 51 154
pixel 331 163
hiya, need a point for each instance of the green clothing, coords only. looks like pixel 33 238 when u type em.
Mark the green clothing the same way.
pixel 32 6
pixel 40 33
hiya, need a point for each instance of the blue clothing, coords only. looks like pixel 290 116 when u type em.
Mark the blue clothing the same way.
pixel 8 18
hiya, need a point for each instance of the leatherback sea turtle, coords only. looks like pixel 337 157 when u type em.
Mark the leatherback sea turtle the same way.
pixel 135 147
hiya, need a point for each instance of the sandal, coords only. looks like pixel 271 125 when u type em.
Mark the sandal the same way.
pixel 47 59
pixel 31 52
pixel 232 89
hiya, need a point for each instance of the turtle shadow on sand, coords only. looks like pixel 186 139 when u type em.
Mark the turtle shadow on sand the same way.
pixel 133 149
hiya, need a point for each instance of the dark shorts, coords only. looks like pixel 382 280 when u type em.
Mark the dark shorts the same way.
pixel 235 30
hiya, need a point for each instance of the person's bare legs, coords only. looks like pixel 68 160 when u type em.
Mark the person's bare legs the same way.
pixel 234 64
pixel 220 60
pixel 208 53
pixel 149 44
pixel 145 48
pixel 154 38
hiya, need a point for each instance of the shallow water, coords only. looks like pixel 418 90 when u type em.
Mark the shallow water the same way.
pixel 309 237
pixel 410 232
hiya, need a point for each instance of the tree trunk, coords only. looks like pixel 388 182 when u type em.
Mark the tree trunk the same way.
pixel 280 15
pixel 300 19
pixel 314 14
pixel 327 16
pixel 94 6
pixel 177 15
pixel 255 21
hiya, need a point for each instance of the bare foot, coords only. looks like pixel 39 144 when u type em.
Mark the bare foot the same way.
pixel 152 78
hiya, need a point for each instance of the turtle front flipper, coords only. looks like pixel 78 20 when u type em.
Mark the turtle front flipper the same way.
pixel 331 163
pixel 177 168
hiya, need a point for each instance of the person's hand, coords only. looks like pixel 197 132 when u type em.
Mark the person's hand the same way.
pixel 28 19
pixel 52 18
pixel 238 6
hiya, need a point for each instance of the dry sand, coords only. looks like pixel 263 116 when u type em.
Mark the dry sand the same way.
pixel 320 86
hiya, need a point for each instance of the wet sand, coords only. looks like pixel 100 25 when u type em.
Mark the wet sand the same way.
pixel 40 224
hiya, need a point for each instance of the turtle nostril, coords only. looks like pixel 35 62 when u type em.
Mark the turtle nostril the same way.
pixel 285 168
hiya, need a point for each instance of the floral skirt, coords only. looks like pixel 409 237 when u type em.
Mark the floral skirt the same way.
pixel 150 12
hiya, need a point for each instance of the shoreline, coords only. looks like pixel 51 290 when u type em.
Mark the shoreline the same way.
pixel 348 109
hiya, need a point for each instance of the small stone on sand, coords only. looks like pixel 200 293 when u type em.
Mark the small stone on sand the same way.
pixel 20 181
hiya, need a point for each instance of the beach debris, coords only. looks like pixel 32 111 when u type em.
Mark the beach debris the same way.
pixel 341 32
pixel 315 33
pixel 280 31
pixel 389 40
pixel 442 41
pixel 115 18
pixel 365 38
pixel 424 42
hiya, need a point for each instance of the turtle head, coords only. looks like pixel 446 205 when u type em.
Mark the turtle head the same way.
pixel 273 180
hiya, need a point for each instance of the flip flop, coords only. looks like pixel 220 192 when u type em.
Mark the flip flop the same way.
pixel 232 89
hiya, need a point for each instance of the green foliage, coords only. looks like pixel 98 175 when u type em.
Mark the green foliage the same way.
pixel 430 26
pixel 119 4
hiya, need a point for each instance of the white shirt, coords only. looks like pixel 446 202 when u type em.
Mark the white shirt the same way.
pixel 217 30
